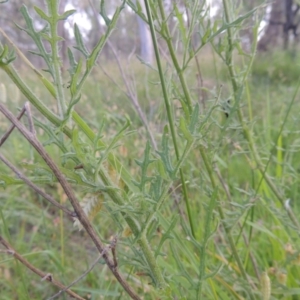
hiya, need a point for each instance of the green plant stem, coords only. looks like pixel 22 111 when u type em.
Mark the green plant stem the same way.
pixel 169 112
pixel 247 133
pixel 39 105
pixel 149 255
pixel 179 71
pixel 135 228
pixel 54 19
pixel 222 217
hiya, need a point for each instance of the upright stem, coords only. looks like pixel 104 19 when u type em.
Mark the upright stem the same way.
pixel 179 71
pixel 245 128
pixel 53 10
pixel 168 107
pixel 222 216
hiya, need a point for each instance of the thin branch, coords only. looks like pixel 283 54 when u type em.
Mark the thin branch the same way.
pixel 10 130
pixel 30 118
pixel 36 188
pixel 45 276
pixel 27 109
pixel 111 246
pixel 82 217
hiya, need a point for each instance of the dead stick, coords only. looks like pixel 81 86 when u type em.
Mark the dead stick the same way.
pixel 9 131
pixel 111 246
pixel 43 275
pixel 71 196
pixel 36 188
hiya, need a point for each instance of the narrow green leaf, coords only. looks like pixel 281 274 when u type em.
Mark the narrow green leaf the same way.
pixel 184 129
pixel 75 78
pixel 80 45
pixel 103 13
pixel 165 155
pixel 72 62
pixel 41 14
pixel 144 164
pixel 181 23
pixel 67 14
pixel 194 119
pixel 167 235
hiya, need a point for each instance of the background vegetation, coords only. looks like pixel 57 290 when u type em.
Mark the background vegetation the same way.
pixel 223 225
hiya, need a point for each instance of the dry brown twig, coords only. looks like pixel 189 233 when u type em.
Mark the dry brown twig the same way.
pixel 112 246
pixel 36 188
pixel 31 138
pixel 45 276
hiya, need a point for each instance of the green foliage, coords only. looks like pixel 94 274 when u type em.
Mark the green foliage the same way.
pixel 201 217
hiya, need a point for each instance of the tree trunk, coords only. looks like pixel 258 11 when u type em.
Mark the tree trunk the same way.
pixel 273 31
pixel 145 38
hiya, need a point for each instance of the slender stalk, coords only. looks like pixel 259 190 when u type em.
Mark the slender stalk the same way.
pixel 222 216
pixel 169 112
pixel 56 63
pixel 246 130
pixel 36 188
pixel 43 275
pixel 179 71
pixel 149 255
pixel 26 91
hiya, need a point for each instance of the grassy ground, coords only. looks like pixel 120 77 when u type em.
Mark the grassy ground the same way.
pixel 264 236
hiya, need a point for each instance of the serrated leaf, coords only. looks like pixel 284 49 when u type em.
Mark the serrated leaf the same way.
pixel 194 119
pixel 4 52
pixel 75 78
pixel 6 180
pixel 35 53
pixel 7 56
pixel 144 164
pixel 146 63
pixel 36 36
pixel 113 143
pixel 165 155
pixel 214 273
pixel 167 235
pixel 206 36
pixel 181 23
pixel 72 62
pixel 184 129
pixel 79 42
pixel 155 189
pixel 98 48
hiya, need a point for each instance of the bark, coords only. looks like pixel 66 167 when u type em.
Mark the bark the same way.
pixel 273 31
pixel 146 44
